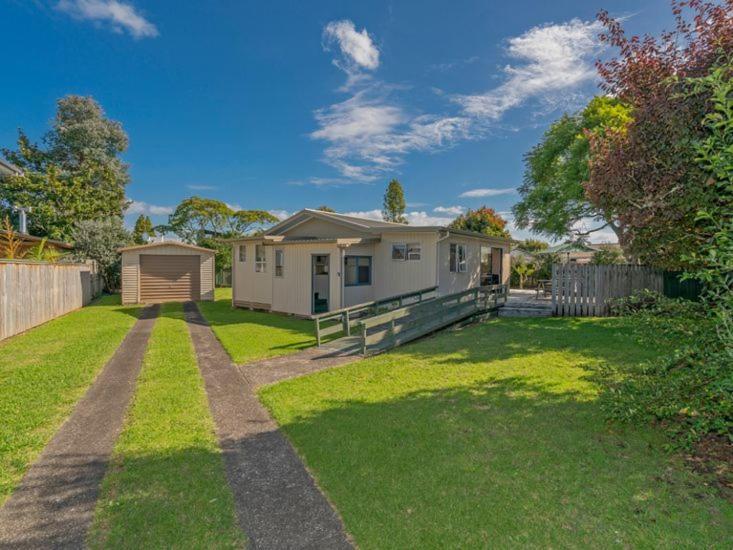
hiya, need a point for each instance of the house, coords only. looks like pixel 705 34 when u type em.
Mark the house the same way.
pixel 29 241
pixel 167 272
pixel 9 169
pixel 315 261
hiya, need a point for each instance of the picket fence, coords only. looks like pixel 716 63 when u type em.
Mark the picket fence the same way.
pixel 32 293
pixel 582 290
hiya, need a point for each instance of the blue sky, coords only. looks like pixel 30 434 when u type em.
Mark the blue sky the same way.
pixel 284 105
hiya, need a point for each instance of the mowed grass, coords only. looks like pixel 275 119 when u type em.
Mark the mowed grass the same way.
pixel 251 335
pixel 493 437
pixel 44 372
pixel 166 486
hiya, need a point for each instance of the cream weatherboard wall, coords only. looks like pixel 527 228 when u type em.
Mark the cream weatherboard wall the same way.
pixel 131 270
pixel 291 292
pixel 449 281
pixel 393 277
pixel 360 294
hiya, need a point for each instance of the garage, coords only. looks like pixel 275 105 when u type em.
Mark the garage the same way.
pixel 167 272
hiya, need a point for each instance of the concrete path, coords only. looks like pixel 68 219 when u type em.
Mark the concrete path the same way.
pixel 278 503
pixel 54 504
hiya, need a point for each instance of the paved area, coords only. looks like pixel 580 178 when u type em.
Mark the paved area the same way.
pixel 278 503
pixel 54 504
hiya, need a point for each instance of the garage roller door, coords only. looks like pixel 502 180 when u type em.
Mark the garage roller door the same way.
pixel 169 278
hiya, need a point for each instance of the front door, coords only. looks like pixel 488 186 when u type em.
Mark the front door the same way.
pixel 320 282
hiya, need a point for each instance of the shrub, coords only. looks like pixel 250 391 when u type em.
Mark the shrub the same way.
pixel 689 389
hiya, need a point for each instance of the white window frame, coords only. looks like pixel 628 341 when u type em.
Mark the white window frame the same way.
pixel 279 262
pixel 414 251
pixel 459 260
pixel 242 252
pixel 397 246
pixel 260 260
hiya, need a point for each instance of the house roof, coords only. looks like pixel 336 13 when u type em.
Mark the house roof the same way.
pixel 567 248
pixel 365 225
pixel 25 237
pixel 165 243
pixel 9 168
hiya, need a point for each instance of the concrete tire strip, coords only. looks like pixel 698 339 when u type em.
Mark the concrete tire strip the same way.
pixel 53 506
pixel 278 503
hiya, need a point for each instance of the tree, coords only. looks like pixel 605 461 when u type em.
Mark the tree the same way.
pixel 533 245
pixel 647 174
pixel 394 203
pixel 523 270
pixel 143 229
pixel 553 198
pixel 99 240
pixel 324 208
pixel 607 256
pixel 483 220
pixel 76 174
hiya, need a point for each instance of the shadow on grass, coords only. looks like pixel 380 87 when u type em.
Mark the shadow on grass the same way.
pixel 501 463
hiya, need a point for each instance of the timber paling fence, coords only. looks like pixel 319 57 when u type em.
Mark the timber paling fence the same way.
pixel 32 293
pixel 582 290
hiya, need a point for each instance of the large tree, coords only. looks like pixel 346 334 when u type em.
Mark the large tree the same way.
pixel 648 174
pixel 394 203
pixel 553 199
pixel 99 240
pixel 482 220
pixel 74 174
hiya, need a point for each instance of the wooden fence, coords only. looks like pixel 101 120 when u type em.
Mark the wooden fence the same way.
pixel 584 290
pixel 32 293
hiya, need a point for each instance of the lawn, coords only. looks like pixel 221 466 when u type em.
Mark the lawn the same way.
pixel 251 335
pixel 45 371
pixel 493 437
pixel 166 486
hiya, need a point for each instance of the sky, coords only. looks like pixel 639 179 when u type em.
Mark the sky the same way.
pixel 284 105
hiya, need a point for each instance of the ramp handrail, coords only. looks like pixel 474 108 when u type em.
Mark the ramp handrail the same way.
pixel 387 330
pixel 344 319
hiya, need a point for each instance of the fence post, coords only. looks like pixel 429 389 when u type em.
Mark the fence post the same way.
pixel 345 320
pixel 318 332
pixel 363 339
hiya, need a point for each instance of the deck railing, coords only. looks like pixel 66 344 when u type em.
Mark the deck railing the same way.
pixel 345 319
pixel 387 330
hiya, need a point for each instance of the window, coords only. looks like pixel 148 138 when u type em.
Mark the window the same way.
pixel 458 258
pixel 358 270
pixel 279 263
pixel 260 258
pixel 242 253
pixel 413 251
pixel 399 252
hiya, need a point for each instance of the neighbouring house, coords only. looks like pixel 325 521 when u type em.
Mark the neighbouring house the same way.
pixel 29 241
pixel 167 272
pixel 9 169
pixel 317 261
pixel 572 252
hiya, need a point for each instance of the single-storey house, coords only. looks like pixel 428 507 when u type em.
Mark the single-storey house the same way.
pixel 316 261
pixel 167 272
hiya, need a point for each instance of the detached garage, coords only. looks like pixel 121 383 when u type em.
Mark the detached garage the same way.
pixel 167 272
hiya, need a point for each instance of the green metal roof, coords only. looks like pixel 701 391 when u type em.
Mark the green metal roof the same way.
pixel 569 247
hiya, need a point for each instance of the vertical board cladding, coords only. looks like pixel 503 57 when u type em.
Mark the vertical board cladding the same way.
pixel 249 287
pixel 292 292
pixel 33 293
pixel 354 295
pixel 451 282
pixel 131 269
pixel 393 277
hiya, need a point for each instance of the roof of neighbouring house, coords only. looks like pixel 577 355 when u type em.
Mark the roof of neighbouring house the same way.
pixel 165 243
pixel 569 247
pixel 9 168
pixel 25 237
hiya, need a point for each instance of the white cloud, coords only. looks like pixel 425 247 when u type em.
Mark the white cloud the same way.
pixel 417 218
pixel 552 59
pixel 455 210
pixel 280 214
pixel 140 207
pixel 120 15
pixel 357 47
pixel 487 192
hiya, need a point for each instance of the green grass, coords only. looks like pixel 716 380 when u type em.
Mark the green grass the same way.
pixel 493 437
pixel 166 486
pixel 251 335
pixel 45 371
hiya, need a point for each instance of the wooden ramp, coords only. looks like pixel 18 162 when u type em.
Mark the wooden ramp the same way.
pixel 382 331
